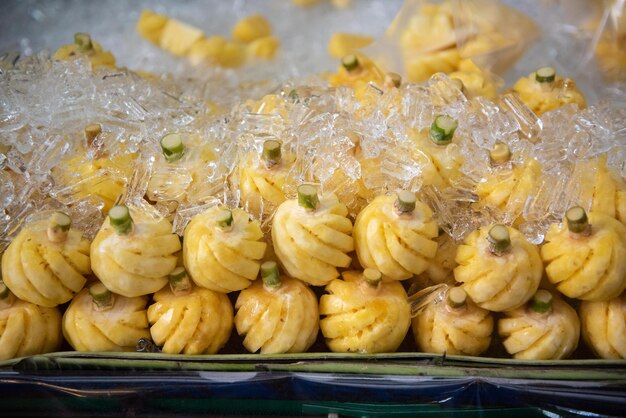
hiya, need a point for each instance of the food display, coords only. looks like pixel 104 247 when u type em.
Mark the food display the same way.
pixel 453 326
pixel 27 329
pixel 609 191
pixel 277 314
pixel 240 204
pixel 441 266
pixel 85 46
pixel 189 319
pixel 261 180
pixel 312 236
pixel 99 320
pixel 435 37
pixel 100 179
pixel 603 325
pixel 181 157
pixel 544 90
pixel 395 236
pixel 585 255
pixel 499 269
pixel 506 189
pixel 47 263
pixel 223 249
pixel 546 329
pixel 362 313
pixel 441 161
pixel 133 253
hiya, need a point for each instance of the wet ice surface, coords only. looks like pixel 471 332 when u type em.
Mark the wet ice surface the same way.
pixel 340 143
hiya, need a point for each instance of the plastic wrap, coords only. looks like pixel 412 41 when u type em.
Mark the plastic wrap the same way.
pixel 427 37
pixel 404 384
pixel 609 41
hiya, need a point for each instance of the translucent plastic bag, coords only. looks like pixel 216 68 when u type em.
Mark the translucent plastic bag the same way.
pixel 429 37
pixel 609 41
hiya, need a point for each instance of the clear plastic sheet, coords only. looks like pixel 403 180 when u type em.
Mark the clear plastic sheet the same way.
pixel 383 385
